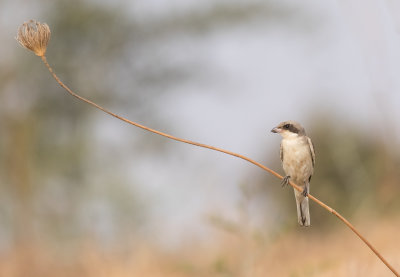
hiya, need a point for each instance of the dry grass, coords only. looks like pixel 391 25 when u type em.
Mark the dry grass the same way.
pixel 34 36
pixel 301 252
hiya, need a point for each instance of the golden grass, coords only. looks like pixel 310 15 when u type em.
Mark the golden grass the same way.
pixel 301 252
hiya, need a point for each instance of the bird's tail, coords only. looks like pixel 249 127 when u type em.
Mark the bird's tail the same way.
pixel 303 212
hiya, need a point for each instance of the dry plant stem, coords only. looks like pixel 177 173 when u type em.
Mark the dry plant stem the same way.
pixel 226 152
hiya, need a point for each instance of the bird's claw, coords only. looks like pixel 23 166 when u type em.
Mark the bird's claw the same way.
pixel 305 192
pixel 285 181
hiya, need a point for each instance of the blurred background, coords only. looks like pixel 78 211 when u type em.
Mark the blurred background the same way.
pixel 83 194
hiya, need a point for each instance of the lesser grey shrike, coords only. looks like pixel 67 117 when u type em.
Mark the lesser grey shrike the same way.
pixel 298 158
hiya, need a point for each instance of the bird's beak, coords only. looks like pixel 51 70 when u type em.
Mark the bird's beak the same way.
pixel 275 130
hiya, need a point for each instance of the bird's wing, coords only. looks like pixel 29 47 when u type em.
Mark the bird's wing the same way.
pixel 281 152
pixel 310 144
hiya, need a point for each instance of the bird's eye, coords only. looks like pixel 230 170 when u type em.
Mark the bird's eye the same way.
pixel 286 126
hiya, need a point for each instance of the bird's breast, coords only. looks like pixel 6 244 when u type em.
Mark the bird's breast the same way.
pixel 297 160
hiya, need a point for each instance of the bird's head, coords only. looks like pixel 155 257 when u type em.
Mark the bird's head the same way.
pixel 289 129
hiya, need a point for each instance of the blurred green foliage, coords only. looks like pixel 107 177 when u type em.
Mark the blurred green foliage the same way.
pixel 356 172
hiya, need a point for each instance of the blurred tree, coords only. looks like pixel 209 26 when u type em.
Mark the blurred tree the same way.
pixel 353 169
pixel 55 182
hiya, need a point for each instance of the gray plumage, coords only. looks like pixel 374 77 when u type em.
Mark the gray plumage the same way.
pixel 298 159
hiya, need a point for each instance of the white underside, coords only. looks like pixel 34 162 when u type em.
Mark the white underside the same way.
pixel 297 163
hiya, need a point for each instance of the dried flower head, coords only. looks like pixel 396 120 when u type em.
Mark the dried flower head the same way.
pixel 34 36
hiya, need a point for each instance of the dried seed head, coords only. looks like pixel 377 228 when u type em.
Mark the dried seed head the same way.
pixel 34 36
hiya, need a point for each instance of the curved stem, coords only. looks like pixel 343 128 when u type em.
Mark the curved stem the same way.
pixel 316 200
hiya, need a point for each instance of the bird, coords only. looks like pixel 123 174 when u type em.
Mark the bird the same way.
pixel 298 160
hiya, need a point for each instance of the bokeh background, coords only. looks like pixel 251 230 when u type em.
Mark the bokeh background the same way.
pixel 83 194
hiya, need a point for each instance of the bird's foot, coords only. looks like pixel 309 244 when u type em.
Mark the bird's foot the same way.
pixel 285 181
pixel 305 191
